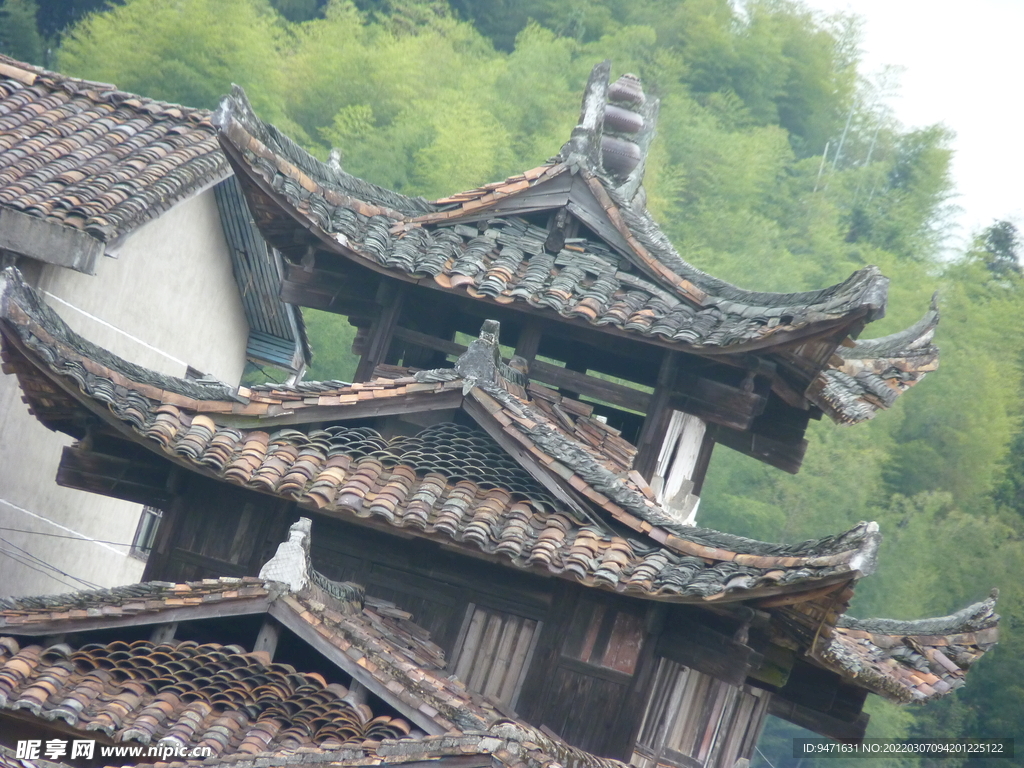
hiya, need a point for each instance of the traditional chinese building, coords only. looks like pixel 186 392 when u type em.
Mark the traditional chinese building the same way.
pixel 518 464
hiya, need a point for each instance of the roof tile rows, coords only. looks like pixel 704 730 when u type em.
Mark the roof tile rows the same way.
pixel 184 695
pixel 503 257
pixel 913 661
pixel 874 372
pixel 94 158
pixel 375 635
pixel 240 705
pixel 424 485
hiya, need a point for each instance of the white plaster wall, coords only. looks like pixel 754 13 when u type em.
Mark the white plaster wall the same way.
pixel 168 300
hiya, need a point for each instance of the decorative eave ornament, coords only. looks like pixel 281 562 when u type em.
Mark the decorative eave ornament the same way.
pixel 614 133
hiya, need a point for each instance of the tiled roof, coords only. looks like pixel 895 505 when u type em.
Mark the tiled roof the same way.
pixel 874 372
pixel 428 484
pixel 131 600
pixel 240 705
pixel 372 635
pixel 88 156
pixel 186 695
pixel 912 661
pixel 651 291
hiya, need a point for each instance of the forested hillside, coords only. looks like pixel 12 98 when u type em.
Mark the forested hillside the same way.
pixel 776 167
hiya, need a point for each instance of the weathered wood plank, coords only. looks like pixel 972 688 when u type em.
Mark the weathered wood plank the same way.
pixel 143 482
pixel 390 297
pixel 658 416
pixel 819 722
pixel 787 456
pixel 710 652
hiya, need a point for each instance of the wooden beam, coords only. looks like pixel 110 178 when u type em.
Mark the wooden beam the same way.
pixel 819 722
pixel 716 401
pixel 546 373
pixel 390 297
pixel 266 640
pixel 712 653
pixel 590 386
pixel 143 482
pixel 347 292
pixel 211 565
pixel 313 298
pixel 785 455
pixel 658 415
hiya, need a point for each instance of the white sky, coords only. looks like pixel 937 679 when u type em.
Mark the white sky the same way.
pixel 964 63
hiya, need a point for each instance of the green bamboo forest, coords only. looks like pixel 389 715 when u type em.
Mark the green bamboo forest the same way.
pixel 777 166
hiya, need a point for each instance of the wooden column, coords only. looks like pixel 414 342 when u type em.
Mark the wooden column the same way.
pixel 529 340
pixel 390 297
pixel 658 415
pixel 266 640
pixel 164 633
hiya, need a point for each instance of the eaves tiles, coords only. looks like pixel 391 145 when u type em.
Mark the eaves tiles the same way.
pixel 565 501
pixel 242 706
pixel 912 661
pixel 499 256
pixel 162 692
pixel 92 158
pixel 627 278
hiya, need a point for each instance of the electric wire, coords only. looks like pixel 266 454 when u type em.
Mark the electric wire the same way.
pixel 38 570
pixel 44 564
pixel 64 536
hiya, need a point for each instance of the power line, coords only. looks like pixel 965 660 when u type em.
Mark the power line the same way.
pixel 62 536
pixel 45 564
pixel 38 570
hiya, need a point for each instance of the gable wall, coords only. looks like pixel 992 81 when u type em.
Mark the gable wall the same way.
pixel 167 301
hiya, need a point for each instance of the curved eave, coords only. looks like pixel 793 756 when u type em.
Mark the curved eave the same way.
pixel 682 313
pixel 673 564
pixel 912 661
pixel 871 374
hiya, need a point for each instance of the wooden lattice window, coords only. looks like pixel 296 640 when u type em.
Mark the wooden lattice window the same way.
pixel 493 652
pixel 693 720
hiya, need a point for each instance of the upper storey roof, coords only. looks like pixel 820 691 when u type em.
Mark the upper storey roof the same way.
pixel 93 158
pixel 600 260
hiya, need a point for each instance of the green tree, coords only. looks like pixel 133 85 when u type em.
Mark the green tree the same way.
pixel 189 52
pixel 19 37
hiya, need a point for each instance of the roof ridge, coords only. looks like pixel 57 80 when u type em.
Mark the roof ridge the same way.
pixel 59 78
